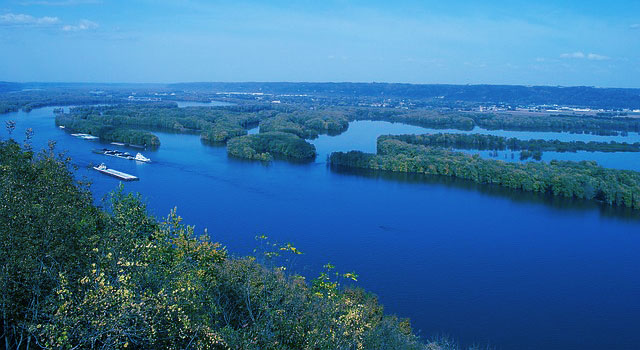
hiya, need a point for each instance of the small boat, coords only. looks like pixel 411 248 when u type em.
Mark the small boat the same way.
pixel 115 173
pixel 61 126
pixel 117 143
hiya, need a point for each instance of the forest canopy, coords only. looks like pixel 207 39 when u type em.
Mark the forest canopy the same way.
pixel 491 142
pixel 438 119
pixel 264 146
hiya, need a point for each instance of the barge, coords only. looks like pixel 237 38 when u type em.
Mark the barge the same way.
pixel 115 173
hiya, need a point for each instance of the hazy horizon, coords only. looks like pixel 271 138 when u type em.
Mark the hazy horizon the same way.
pixel 304 82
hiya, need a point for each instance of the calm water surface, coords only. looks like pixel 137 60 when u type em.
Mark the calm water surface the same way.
pixel 479 263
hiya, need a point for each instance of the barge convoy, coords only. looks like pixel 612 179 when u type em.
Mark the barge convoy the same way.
pixel 115 173
pixel 83 136
pixel 124 155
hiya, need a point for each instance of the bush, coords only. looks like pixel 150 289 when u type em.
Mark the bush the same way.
pixel 74 276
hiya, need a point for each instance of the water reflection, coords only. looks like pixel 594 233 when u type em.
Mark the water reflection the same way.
pixel 556 202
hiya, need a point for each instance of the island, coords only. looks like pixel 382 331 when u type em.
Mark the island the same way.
pixel 528 147
pixel 264 146
pixel 584 179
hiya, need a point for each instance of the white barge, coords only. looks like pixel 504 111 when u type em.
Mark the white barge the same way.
pixel 115 173
pixel 85 136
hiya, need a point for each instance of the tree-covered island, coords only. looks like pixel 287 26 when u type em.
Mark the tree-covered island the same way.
pixel 282 131
pixel 264 146
pixel 585 179
pixel 496 143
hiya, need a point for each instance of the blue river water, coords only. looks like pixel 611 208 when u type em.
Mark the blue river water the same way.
pixel 482 264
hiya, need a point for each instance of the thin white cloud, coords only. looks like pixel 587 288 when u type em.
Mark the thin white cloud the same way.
pixel 576 54
pixel 582 55
pixel 84 24
pixel 13 19
pixel 475 65
pixel 596 57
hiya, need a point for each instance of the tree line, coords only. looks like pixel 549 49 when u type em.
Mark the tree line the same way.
pixel 443 119
pixel 491 142
pixel 107 132
pixel 308 124
pixel 214 125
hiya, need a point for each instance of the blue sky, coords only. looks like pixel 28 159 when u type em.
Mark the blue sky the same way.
pixel 594 43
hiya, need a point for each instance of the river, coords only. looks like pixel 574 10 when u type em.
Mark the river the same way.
pixel 479 263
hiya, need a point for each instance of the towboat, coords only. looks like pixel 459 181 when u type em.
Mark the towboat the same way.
pixel 139 157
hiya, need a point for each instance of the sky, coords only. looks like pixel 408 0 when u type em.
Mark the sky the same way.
pixel 543 42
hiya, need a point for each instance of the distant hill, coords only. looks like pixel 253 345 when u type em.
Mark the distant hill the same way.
pixel 8 86
pixel 498 94
pixel 429 94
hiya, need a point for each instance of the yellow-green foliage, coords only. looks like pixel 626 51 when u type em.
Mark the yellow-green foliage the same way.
pixel 77 277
